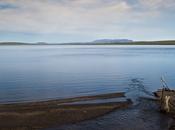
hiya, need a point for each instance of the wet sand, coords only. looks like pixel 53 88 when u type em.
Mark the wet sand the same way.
pixel 145 115
pixel 111 111
pixel 37 115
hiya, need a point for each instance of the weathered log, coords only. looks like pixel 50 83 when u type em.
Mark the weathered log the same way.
pixel 167 99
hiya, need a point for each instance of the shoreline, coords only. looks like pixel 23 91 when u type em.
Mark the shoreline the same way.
pixel 45 114
pixel 161 42
pixel 88 44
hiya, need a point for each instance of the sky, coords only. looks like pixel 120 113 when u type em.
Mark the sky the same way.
pixel 57 21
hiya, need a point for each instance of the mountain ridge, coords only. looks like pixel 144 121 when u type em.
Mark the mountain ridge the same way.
pixel 112 41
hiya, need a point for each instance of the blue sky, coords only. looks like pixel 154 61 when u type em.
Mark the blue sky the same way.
pixel 86 20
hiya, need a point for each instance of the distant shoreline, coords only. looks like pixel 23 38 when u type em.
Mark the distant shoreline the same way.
pixel 170 42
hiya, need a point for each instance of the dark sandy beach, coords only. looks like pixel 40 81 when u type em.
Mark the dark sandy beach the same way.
pixel 37 115
pixel 112 111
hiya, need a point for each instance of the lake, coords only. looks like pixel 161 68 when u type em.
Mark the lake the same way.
pixel 36 73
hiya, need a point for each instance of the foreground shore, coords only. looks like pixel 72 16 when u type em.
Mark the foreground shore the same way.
pixel 36 115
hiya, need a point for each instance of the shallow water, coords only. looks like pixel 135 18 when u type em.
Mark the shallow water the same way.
pixel 143 116
pixel 32 73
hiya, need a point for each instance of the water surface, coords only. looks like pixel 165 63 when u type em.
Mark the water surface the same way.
pixel 32 73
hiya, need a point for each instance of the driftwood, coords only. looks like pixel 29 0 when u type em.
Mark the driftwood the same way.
pixel 167 100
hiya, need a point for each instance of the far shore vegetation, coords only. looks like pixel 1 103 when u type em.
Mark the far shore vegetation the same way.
pixel 167 42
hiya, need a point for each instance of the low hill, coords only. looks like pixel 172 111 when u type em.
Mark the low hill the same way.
pixel 112 41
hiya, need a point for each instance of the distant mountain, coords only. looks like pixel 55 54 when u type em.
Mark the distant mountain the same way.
pixel 41 43
pixel 112 41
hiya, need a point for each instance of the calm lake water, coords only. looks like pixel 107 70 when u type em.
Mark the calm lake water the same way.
pixel 32 73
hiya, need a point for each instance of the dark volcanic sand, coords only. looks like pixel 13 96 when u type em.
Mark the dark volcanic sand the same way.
pixel 27 116
pixel 73 114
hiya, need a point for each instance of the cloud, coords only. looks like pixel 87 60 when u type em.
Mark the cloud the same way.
pixel 52 16
pixel 4 6
pixel 92 17
pixel 158 4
